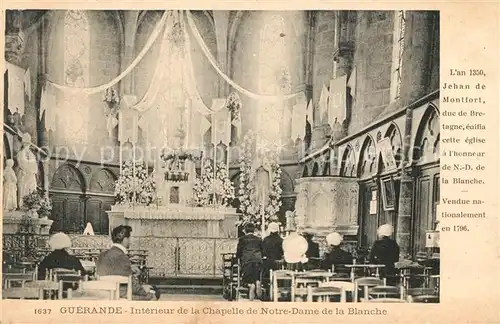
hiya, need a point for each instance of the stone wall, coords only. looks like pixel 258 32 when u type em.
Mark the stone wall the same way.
pixel 104 58
pixel 323 56
pixel 373 61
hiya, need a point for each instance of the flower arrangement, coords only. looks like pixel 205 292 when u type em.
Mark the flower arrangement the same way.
pixel 45 207
pixel 251 210
pixel 233 103
pixel 36 201
pixel 135 185
pixel 209 190
pixel 223 187
pixel 32 200
pixel 202 187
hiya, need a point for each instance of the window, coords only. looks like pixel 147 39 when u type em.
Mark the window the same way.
pixel 274 79
pixel 397 53
pixel 74 115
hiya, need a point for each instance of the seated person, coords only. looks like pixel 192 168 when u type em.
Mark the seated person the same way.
pixel 115 262
pixel 312 254
pixel 295 248
pixel 59 257
pixel 249 252
pixel 385 251
pixel 272 248
pixel 336 258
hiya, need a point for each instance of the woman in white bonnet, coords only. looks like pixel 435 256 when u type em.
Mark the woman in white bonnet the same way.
pixel 294 249
pixel 385 250
pixel 59 257
pixel 336 257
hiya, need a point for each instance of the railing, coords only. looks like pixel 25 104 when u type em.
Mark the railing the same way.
pixel 167 256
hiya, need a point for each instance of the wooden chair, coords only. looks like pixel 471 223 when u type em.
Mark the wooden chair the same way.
pixel 46 285
pixel 95 290
pixel 120 280
pixel 22 293
pixel 345 286
pixel 301 286
pixel 384 300
pixel 420 292
pixel 365 283
pixel 20 278
pixel 279 276
pixel 427 299
pixel 323 294
pixel 386 292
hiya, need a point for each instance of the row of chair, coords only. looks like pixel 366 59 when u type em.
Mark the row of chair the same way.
pixel 29 287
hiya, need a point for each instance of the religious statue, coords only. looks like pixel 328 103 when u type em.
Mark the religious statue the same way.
pixel 27 170
pixel 9 187
pixel 263 182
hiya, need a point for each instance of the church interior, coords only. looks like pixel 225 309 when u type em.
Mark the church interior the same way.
pixel 191 135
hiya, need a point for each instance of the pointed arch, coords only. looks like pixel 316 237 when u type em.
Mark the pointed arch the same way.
pixel 367 158
pixel 426 145
pixel 396 140
pixel 305 172
pixel 348 163
pixel 104 180
pixel 67 177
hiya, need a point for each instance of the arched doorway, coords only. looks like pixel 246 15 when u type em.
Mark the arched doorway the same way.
pixel 67 191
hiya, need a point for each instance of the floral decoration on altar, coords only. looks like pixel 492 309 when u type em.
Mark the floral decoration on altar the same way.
pixel 37 204
pixel 135 185
pixel 248 190
pixel 208 191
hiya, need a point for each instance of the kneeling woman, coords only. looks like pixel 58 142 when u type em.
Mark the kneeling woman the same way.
pixel 249 252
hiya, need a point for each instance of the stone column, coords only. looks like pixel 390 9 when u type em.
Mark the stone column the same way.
pixel 221 22
pixel 414 85
pixel 130 22
pixel 416 54
pixel 404 220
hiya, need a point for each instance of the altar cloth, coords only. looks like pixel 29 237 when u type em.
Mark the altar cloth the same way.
pixel 173 213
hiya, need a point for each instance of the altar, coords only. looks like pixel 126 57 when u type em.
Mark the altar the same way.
pixel 176 221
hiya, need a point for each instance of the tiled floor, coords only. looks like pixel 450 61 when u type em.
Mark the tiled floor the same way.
pixel 186 297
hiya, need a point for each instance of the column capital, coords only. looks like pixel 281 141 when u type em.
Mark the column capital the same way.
pixel 14 47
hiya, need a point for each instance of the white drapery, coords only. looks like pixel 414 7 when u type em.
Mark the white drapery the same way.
pixel 101 88
pixel 16 88
pixel 213 61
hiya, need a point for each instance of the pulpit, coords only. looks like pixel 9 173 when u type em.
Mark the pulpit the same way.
pixel 327 204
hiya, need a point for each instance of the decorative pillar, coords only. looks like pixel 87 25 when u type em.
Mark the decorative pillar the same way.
pixel 404 220
pixel 14 37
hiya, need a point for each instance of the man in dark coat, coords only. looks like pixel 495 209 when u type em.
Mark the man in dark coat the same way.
pixel 249 253
pixel 115 262
pixel 385 251
pixel 336 258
